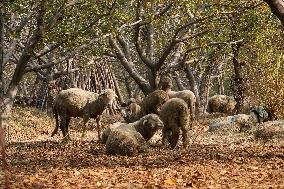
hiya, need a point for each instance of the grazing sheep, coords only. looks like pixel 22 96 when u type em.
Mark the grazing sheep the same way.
pixel 76 102
pixel 175 116
pixel 239 122
pixel 152 103
pixel 130 139
pixel 187 95
pixel 222 104
pixel 270 129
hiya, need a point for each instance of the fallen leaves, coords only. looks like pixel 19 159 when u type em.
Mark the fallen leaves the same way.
pixel 210 162
pixel 170 181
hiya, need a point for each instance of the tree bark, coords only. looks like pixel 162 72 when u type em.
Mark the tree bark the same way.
pixel 193 86
pixel 1 53
pixel 277 8
pixel 239 86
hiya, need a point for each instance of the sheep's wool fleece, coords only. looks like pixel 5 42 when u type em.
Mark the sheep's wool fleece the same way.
pixel 124 142
pixel 231 123
pixel 107 131
pixel 270 129
pixel 74 99
pixel 221 103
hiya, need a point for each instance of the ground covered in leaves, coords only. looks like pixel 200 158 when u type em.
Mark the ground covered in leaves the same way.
pixel 211 161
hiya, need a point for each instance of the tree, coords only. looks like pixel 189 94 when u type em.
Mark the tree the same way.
pixel 277 8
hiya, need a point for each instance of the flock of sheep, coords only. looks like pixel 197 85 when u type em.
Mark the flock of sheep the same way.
pixel 172 112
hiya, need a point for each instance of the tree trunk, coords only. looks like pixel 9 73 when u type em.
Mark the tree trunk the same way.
pixel 179 82
pixel 277 8
pixel 221 89
pixel 5 168
pixel 193 87
pixel 203 95
pixel 239 86
pixel 1 54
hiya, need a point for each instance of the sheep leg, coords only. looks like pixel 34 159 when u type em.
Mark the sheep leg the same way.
pixel 64 129
pixel 67 127
pixel 56 123
pixel 166 133
pixel 192 110
pixel 174 138
pixel 184 137
pixel 55 130
pixel 85 121
pixel 98 120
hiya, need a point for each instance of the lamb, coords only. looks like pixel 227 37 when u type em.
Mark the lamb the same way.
pixel 75 102
pixel 187 95
pixel 269 130
pixel 175 116
pixel 222 104
pixel 240 122
pixel 130 138
pixel 152 103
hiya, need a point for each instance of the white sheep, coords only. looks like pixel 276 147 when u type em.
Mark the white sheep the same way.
pixel 75 102
pixel 239 122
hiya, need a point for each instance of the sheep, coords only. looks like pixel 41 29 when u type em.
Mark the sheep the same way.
pixel 187 95
pixel 152 103
pixel 130 138
pixel 175 116
pixel 222 104
pixel 75 102
pixel 240 122
pixel 130 108
pixel 270 129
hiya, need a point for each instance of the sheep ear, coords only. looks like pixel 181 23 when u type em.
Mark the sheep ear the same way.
pixel 144 122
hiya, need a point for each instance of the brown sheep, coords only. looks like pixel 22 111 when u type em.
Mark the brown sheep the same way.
pixel 187 95
pixel 76 102
pixel 269 130
pixel 152 103
pixel 222 104
pixel 175 116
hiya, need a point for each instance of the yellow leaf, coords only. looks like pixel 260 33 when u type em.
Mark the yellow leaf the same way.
pixel 170 181
pixel 148 5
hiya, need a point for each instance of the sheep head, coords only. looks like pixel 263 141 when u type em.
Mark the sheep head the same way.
pixel 152 122
pixel 260 113
pixel 108 95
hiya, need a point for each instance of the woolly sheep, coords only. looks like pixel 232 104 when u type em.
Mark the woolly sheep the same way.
pixel 175 116
pixel 130 139
pixel 222 104
pixel 152 103
pixel 187 95
pixel 239 122
pixel 270 129
pixel 75 102
pixel 131 110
